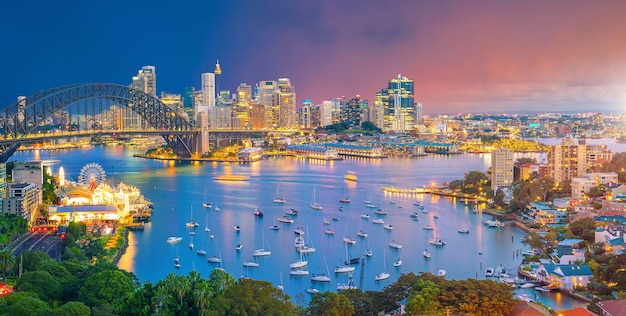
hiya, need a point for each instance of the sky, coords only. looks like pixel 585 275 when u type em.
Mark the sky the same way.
pixel 464 56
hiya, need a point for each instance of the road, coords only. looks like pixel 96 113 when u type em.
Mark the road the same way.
pixel 49 243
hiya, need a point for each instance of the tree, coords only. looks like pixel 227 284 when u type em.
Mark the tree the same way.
pixel 329 303
pixel 498 199
pixel 596 192
pixel 423 298
pixel 28 305
pixel 69 283
pixel 476 297
pixel 31 260
pixel 584 229
pixel 369 126
pixel 138 303
pixel 7 261
pixel 363 302
pixel 104 287
pixel 252 297
pixel 42 283
pixel 546 185
pixel 525 160
pixel 72 309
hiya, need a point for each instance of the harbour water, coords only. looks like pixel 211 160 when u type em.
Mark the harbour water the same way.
pixel 179 189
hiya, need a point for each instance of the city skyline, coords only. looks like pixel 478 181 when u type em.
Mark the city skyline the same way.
pixel 479 57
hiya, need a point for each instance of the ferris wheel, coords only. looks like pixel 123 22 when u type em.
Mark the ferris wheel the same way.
pixel 91 175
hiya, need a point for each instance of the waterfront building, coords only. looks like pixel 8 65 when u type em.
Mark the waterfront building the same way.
pixel 23 199
pixel 565 276
pixel 568 160
pixel 529 170
pixel 541 213
pixel 501 168
pixel 314 152
pixel 257 115
pixel 250 154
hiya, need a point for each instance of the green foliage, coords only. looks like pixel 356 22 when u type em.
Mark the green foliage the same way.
pixel 583 229
pixel 106 286
pixel 31 260
pixel 69 283
pixel 251 297
pixel 337 127
pixel 329 303
pixel 47 287
pixel 423 298
pixel 7 261
pixel 27 306
pixel 76 229
pixel 369 126
pixel 72 309
pixel 11 226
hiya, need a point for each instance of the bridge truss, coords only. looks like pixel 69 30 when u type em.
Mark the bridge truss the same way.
pixel 98 103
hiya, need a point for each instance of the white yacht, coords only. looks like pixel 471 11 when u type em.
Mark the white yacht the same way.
pixel 344 269
pixel 397 263
pixel 395 244
pixel 261 253
pixel 174 240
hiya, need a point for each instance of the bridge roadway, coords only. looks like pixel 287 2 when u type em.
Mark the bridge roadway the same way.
pixel 42 136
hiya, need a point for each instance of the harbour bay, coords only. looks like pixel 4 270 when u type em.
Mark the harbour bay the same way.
pixel 179 189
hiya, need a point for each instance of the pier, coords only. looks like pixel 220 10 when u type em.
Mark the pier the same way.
pixel 466 198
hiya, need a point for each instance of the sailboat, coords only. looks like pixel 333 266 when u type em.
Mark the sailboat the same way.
pixel 206 224
pixel 383 275
pixel 307 247
pixel 275 227
pixel 191 243
pixel 437 241
pixel 314 204
pixel 176 260
pixel 280 285
pixel 322 277
pixel 201 252
pixel 344 197
pixel 277 197
pixel 298 264
pixel 191 223
pixel 206 204
pixel 261 252
pixel 346 268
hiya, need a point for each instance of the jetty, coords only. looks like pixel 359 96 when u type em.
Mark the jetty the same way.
pixel 467 198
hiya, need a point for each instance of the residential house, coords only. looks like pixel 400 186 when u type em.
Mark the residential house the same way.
pixel 565 276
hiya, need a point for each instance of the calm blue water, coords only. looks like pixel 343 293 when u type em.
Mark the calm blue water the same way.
pixel 178 190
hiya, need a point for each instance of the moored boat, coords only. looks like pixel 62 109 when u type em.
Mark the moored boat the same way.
pixel 397 263
pixel 378 221
pixel 394 244
pixel 174 240
pixel 312 290
pixel 388 227
pixel 258 212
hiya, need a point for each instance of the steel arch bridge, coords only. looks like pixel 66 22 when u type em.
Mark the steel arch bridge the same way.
pixel 22 118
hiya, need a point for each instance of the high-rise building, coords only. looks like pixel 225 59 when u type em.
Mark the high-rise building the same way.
pixel 267 96
pixel 145 80
pixel 501 168
pixel 352 111
pixel 399 105
pixel 568 160
pixel 208 89
pixel 326 113
pixel 3 182
pixel 242 107
pixel 304 113
pixel 287 104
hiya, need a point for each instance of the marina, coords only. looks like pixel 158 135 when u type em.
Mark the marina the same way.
pixel 175 190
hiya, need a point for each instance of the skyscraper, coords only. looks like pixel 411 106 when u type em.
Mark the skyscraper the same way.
pixel 501 168
pixel 243 107
pixel 287 104
pixel 145 80
pixel 399 105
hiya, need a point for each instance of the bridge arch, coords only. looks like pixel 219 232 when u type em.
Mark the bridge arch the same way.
pixel 24 116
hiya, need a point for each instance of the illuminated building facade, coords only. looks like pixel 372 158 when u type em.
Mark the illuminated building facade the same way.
pixel 568 160
pixel 501 168
pixel 398 104
pixel 23 199
pixel 243 107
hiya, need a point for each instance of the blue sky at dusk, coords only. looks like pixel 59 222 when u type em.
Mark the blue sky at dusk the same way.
pixel 464 56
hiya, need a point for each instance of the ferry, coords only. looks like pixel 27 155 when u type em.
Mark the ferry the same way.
pixel 350 176
pixel 231 178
